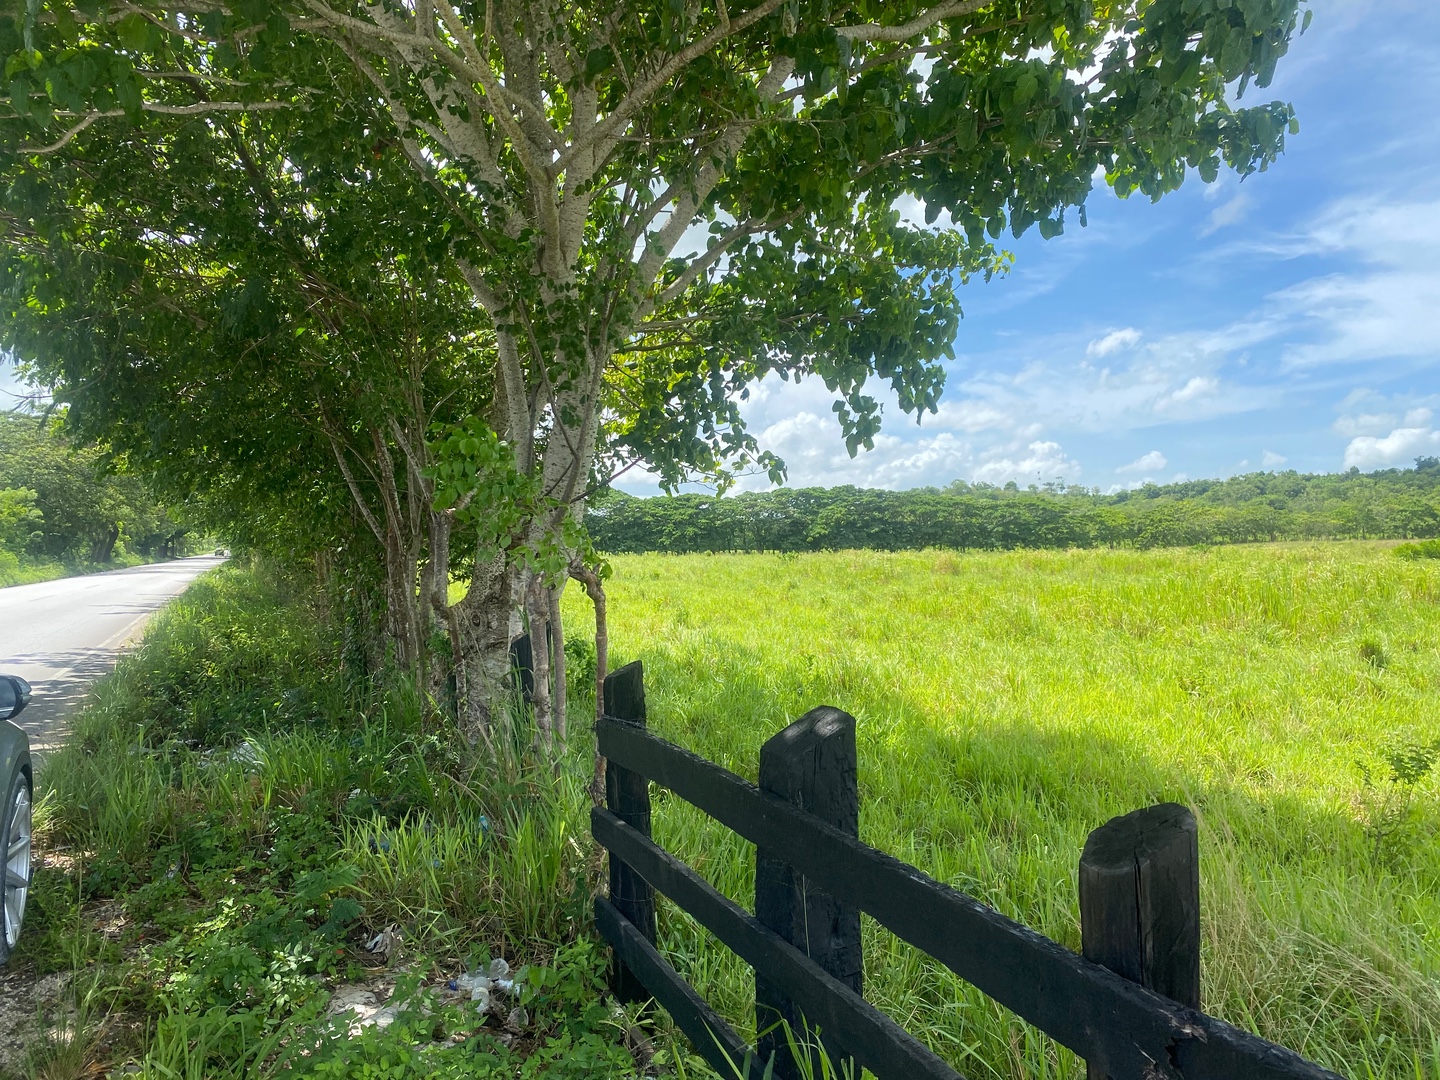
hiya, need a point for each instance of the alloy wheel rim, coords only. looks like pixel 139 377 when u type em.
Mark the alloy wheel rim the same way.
pixel 17 867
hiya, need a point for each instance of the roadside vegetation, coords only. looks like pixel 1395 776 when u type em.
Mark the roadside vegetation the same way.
pixel 1008 703
pixel 246 824
pixel 66 510
pixel 1388 504
pixel 238 815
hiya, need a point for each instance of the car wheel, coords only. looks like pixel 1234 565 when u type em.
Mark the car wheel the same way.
pixel 17 863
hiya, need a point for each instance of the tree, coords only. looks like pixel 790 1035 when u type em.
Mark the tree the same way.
pixel 279 344
pixel 20 520
pixel 578 146
pixel 72 504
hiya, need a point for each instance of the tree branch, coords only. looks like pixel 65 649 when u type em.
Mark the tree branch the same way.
pixel 64 140
pixel 637 98
pixel 713 253
pixel 918 25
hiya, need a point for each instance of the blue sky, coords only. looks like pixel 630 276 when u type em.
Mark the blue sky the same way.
pixel 1289 321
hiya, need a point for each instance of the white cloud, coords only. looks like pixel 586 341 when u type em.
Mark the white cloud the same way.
pixel 912 212
pixel 970 440
pixel 815 455
pixel 1365 424
pixel 1271 460
pixel 1400 447
pixel 1176 377
pixel 1196 387
pixel 1226 214
pixel 1362 317
pixel 1385 308
pixel 970 415
pixel 1114 341
pixel 1044 461
pixel 1152 462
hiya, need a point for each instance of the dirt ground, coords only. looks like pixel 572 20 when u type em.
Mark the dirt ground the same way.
pixel 23 995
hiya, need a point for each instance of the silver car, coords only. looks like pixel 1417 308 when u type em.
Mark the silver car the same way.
pixel 19 781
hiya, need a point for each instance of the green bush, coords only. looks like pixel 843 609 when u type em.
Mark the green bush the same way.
pixel 1423 549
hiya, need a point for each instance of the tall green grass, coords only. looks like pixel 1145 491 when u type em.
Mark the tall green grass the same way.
pixel 1008 703
pixel 14 572
pixel 252 814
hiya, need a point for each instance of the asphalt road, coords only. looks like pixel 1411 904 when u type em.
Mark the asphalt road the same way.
pixel 63 635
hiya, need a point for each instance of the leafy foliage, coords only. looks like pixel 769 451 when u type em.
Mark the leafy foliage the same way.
pixel 63 504
pixel 1395 503
pixel 787 131
pixel 1388 795
pixel 1425 549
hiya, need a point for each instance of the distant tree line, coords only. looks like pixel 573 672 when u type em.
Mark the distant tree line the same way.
pixel 1391 504
pixel 63 506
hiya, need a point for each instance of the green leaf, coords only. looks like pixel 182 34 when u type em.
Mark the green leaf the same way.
pixel 65 24
pixel 1025 88
pixel 20 95
pixel 133 32
pixel 598 61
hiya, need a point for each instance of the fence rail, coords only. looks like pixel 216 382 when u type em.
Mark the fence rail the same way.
pixel 1123 1029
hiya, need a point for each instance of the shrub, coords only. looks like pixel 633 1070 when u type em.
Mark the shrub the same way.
pixel 1420 549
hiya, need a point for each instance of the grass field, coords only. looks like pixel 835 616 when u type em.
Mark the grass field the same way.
pixel 1007 704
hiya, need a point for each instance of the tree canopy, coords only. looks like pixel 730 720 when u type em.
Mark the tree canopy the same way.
pixel 65 504
pixel 1391 504
pixel 646 207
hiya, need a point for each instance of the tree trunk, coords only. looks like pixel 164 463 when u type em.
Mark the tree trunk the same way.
pixel 485 623
pixel 436 616
pixel 557 644
pixel 596 591
pixel 104 546
pixel 538 608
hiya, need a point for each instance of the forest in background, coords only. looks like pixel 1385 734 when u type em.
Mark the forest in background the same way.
pixel 66 509
pixel 1399 504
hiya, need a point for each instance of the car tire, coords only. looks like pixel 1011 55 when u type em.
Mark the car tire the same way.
pixel 17 866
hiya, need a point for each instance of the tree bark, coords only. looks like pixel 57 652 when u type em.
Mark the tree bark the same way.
pixel 557 666
pixel 596 591
pixel 104 546
pixel 442 677
pixel 538 608
pixel 485 623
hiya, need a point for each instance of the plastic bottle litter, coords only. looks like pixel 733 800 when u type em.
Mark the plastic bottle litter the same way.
pixel 481 984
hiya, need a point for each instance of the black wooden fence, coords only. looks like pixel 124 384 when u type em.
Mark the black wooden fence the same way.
pixel 1129 1006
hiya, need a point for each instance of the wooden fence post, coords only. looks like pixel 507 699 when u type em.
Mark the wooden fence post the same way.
pixel 1140 903
pixel 812 765
pixel 627 795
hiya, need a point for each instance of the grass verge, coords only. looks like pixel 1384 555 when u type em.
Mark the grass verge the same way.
pixel 235 820
pixel 14 571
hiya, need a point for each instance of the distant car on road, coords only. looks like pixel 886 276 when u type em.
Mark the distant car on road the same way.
pixel 19 780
